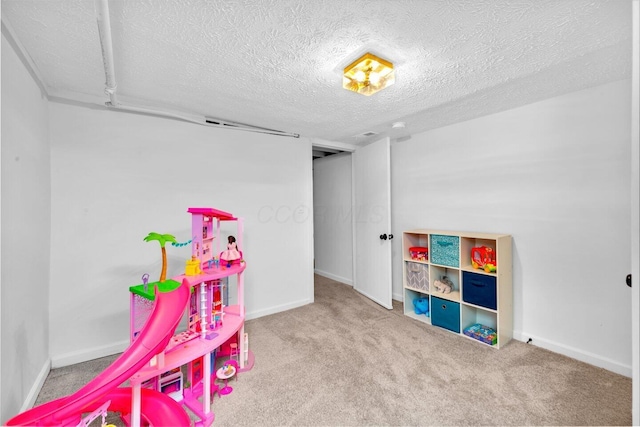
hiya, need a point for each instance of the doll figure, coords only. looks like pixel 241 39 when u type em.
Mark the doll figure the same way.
pixel 231 254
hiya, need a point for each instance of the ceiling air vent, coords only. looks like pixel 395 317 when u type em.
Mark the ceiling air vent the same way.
pixel 365 135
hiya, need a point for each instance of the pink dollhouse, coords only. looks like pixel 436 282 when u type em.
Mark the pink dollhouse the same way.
pixel 168 372
pixel 185 368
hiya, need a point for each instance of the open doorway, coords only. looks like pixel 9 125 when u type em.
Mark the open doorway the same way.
pixel 332 221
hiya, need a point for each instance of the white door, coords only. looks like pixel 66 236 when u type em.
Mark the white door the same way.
pixel 372 221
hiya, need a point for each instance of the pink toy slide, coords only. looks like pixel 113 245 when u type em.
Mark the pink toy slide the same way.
pixel 156 408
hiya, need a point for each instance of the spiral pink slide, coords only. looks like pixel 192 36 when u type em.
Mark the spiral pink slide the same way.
pixel 156 408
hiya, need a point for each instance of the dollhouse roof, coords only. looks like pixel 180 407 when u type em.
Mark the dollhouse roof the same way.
pixel 211 212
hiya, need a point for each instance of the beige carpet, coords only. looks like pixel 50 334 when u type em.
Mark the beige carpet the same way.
pixel 345 361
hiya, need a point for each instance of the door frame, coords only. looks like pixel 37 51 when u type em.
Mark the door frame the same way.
pixel 635 214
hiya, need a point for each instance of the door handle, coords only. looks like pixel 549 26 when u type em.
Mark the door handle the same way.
pixel 628 280
pixel 383 237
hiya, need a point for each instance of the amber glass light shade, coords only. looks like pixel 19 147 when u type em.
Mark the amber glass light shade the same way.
pixel 368 75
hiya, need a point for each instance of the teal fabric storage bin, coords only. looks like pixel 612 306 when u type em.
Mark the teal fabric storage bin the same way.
pixel 445 314
pixel 445 250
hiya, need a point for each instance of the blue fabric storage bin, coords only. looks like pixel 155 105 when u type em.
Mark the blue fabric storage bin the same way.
pixel 479 289
pixel 445 313
pixel 445 250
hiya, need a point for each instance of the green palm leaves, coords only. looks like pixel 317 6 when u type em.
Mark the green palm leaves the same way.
pixel 162 239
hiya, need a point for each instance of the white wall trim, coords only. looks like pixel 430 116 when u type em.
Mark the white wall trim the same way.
pixel 575 353
pixel 635 214
pixel 74 357
pixel 394 296
pixel 334 145
pixel 334 277
pixel 276 309
pixel 32 396
pixel 310 226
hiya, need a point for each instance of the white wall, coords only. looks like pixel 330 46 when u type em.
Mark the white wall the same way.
pixel 25 230
pixel 118 176
pixel 556 176
pixel 333 235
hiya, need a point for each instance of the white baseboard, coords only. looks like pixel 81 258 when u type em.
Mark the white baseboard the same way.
pixel 276 309
pixel 334 277
pixel 574 353
pixel 74 357
pixel 397 297
pixel 32 396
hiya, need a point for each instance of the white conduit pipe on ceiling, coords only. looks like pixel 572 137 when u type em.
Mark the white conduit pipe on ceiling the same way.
pixel 104 29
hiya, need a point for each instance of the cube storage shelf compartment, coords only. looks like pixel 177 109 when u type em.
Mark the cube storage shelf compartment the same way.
pixel 417 276
pixel 480 289
pixel 445 313
pixel 476 296
pixel 445 250
pixel 409 309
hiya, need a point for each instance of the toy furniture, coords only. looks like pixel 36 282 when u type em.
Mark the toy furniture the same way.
pixel 224 373
pixel 233 364
pixel 459 294
pixel 233 354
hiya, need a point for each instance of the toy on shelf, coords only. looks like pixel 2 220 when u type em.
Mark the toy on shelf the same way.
pixel 421 306
pixel 485 258
pixel 444 285
pixel 419 253
pixel 482 333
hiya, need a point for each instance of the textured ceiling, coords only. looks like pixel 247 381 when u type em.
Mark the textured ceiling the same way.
pixel 277 63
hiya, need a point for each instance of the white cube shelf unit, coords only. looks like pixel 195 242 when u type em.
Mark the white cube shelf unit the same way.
pixel 442 275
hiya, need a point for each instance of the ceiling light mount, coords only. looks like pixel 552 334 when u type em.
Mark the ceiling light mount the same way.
pixel 368 75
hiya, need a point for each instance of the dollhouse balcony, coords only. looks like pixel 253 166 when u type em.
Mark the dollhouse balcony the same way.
pixel 193 349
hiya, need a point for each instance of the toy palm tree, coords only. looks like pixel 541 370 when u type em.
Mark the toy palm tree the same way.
pixel 162 239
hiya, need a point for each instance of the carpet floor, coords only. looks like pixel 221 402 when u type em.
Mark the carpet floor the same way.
pixel 346 361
